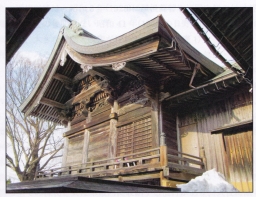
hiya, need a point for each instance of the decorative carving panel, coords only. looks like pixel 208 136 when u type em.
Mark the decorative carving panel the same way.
pixel 87 82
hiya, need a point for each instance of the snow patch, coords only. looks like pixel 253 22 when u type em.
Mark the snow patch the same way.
pixel 210 181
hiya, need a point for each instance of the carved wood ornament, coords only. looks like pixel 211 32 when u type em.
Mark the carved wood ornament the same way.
pixel 118 66
pixel 86 68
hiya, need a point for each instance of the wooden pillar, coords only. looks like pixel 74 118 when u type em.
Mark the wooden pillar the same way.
pixel 65 152
pixel 113 131
pixel 163 156
pixel 65 149
pixel 85 146
pixel 162 134
pixel 202 155
pixel 178 133
pixel 155 124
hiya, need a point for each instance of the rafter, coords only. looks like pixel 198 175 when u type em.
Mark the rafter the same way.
pixel 165 66
pixel 64 79
pixel 52 103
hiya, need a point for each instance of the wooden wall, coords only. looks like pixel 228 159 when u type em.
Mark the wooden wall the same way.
pixel 238 145
pixel 169 128
pixel 98 143
pixel 74 150
pixel 129 126
pixel 134 125
pixel 220 128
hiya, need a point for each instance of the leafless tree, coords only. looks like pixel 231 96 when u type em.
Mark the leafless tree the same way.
pixel 31 143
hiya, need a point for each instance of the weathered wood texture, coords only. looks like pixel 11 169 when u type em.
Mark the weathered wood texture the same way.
pixel 134 125
pixel 237 108
pixel 134 137
pixel 239 152
pixel 74 151
pixel 98 143
pixel 169 128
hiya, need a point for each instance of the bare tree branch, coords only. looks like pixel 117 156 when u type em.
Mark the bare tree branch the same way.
pixel 53 154
pixel 30 139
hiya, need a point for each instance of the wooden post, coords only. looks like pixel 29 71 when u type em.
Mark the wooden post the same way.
pixel 178 135
pixel 155 122
pixel 65 149
pixel 155 127
pixel 164 182
pixel 85 147
pixel 163 156
pixel 113 131
pixel 202 155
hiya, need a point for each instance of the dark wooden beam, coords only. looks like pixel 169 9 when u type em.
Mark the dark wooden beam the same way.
pixel 64 79
pixel 20 23
pixel 135 70
pixel 165 66
pixel 52 103
pixel 82 75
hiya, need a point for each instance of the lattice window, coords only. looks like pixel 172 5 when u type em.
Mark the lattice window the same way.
pixel 134 137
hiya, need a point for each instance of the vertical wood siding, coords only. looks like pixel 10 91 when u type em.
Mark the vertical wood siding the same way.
pixel 239 153
pixel 74 151
pixel 98 143
pixel 235 109
pixel 169 128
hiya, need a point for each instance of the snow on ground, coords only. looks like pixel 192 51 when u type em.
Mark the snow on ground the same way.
pixel 210 181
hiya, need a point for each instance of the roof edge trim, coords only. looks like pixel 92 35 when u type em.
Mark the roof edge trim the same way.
pixel 27 107
pixel 140 32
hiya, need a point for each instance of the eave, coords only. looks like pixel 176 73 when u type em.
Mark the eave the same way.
pixel 233 28
pixel 216 89
pixel 52 64
pixel 20 22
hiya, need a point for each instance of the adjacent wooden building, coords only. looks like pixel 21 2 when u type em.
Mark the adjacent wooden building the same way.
pixel 145 107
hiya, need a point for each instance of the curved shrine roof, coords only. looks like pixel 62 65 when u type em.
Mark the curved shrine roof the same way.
pixel 154 50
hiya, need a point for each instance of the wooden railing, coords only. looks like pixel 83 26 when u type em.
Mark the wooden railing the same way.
pixel 178 161
pixel 156 159
pixel 146 159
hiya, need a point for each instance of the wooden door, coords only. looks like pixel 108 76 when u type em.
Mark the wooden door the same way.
pixel 189 141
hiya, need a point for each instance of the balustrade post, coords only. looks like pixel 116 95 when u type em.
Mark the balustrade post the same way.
pixel 51 172
pixel 163 156
pixel 202 155
pixel 69 169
